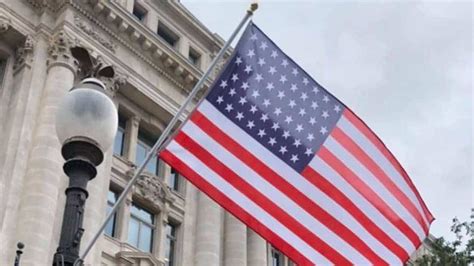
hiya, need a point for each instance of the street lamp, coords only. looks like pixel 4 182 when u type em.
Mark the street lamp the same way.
pixel 86 123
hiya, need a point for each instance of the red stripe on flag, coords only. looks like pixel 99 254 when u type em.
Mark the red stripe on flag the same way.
pixel 281 184
pixel 333 192
pixel 368 193
pixel 364 129
pixel 364 159
pixel 269 206
pixel 234 208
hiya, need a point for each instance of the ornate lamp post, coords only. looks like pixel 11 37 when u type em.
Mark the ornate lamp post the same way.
pixel 86 123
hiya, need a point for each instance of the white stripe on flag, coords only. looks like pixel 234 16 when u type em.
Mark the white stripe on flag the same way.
pixel 288 173
pixel 247 204
pixel 345 125
pixel 352 163
pixel 288 205
pixel 363 204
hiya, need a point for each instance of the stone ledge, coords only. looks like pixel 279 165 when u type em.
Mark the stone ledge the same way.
pixel 177 67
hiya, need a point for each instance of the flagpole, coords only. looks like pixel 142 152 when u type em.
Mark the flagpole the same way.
pixel 167 131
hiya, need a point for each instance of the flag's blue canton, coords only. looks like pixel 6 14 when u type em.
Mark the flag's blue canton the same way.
pixel 270 97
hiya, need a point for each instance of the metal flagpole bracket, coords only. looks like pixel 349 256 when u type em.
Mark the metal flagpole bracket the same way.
pixel 167 131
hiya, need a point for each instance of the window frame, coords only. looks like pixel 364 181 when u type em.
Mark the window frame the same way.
pixel 115 216
pixel 197 55
pixel 142 10
pixel 276 254
pixel 145 139
pixel 173 243
pixel 176 186
pixel 169 33
pixel 142 223
pixel 122 127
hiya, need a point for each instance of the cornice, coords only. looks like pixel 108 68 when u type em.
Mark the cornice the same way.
pixel 50 5
pixel 116 22
pixel 4 23
pixel 172 65
pixel 173 10
pixel 84 26
pixel 98 7
pixel 15 21
pixel 188 16
pixel 122 29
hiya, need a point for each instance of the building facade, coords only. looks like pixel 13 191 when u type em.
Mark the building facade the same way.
pixel 158 50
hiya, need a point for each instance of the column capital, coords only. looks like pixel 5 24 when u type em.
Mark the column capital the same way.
pixel 24 53
pixel 135 120
pixel 59 52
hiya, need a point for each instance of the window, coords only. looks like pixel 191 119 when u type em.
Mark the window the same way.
pixel 194 57
pixel 141 228
pixel 277 258
pixel 173 180
pixel 110 228
pixel 119 138
pixel 139 12
pixel 170 246
pixel 167 35
pixel 144 144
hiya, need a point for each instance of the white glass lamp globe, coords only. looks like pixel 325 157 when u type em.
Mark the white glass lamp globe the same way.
pixel 87 113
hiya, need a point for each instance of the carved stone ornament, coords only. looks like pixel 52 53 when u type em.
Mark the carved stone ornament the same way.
pixel 24 54
pixel 4 24
pixel 91 32
pixel 52 5
pixel 115 83
pixel 59 51
pixel 38 4
pixel 220 64
pixel 152 188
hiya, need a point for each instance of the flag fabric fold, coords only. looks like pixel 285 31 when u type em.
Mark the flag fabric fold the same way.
pixel 282 154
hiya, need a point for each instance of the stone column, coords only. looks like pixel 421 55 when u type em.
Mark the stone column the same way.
pixel 256 249
pixel 235 241
pixel 160 232
pixel 123 215
pixel 208 232
pixel 269 253
pixel 188 226
pixel 16 133
pixel 131 129
pixel 36 221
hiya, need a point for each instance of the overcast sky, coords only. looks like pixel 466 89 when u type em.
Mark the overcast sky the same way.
pixel 404 67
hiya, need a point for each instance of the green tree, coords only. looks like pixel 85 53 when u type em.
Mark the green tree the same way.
pixel 459 252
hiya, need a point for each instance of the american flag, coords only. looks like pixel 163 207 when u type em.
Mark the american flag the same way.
pixel 278 151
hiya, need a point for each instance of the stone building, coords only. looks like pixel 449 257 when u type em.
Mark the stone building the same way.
pixel 158 50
